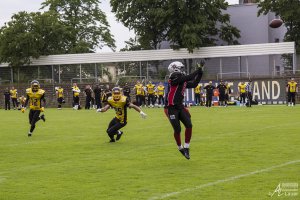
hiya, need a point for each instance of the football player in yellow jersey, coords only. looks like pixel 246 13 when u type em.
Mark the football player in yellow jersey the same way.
pixel 22 101
pixel 150 92
pixel 197 91
pixel 160 89
pixel 227 93
pixel 242 91
pixel 35 96
pixel 60 96
pixel 143 102
pixel 138 88
pixel 76 92
pixel 13 96
pixel 120 103
pixel 291 90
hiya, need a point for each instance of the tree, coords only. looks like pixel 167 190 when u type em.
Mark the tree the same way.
pixel 86 22
pixel 184 23
pixel 289 12
pixel 30 35
pixel 146 18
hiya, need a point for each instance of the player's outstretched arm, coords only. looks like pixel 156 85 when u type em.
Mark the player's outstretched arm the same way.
pixel 143 115
pixel 25 104
pixel 104 109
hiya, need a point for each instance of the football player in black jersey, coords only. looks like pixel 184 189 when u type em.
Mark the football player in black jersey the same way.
pixel 174 107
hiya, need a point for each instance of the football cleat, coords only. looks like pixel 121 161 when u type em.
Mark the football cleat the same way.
pixel 187 153
pixel 119 135
pixel 29 134
pixel 112 140
pixel 43 117
pixel 182 151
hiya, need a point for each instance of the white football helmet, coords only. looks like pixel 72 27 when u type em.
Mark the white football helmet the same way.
pixel 176 67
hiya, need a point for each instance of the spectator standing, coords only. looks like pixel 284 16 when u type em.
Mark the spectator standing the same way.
pixel 222 93
pixel 209 93
pixel 97 94
pixel 249 93
pixel 126 91
pixel 197 92
pixel 7 99
pixel 291 90
pixel 14 97
pixel 88 96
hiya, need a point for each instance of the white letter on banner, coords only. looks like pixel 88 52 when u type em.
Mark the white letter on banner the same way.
pixel 275 83
pixel 256 91
pixel 265 90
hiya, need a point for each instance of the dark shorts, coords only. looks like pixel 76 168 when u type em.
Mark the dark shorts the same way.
pixel 177 115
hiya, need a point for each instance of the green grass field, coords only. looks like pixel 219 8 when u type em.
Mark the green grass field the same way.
pixel 236 153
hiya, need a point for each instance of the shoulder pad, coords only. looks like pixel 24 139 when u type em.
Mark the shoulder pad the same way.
pixel 123 98
pixel 28 90
pixel 109 98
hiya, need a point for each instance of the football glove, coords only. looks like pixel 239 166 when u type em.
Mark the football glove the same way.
pixel 22 110
pixel 42 109
pixel 99 110
pixel 201 65
pixel 143 115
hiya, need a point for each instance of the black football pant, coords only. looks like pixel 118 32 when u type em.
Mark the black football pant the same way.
pixel 160 99
pixel 34 117
pixel 291 97
pixel 98 102
pixel 208 100
pixel 197 99
pixel 76 101
pixel 15 102
pixel 138 100
pixel 88 102
pixel 151 99
pixel 242 98
pixel 7 105
pixel 176 115
pixel 59 101
pixel 114 126
pixel 249 98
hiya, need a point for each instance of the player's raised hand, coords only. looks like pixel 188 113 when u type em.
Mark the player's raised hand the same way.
pixel 143 115
pixel 201 65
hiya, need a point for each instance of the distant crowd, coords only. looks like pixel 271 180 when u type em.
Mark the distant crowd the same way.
pixel 151 95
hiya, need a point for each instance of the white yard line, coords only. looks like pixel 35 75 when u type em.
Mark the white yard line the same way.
pixel 233 178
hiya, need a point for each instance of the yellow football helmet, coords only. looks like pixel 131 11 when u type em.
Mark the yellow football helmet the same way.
pixel 116 93
pixel 35 85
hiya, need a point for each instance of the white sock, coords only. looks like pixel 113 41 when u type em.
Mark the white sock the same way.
pixel 180 147
pixel 119 132
pixel 186 145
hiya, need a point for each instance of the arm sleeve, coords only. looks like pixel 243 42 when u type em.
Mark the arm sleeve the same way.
pixel 177 79
pixel 194 83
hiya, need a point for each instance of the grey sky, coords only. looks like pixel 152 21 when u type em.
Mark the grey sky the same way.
pixel 121 33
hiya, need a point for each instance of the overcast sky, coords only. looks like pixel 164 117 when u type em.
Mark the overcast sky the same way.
pixel 121 33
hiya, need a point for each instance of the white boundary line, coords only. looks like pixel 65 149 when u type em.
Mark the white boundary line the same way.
pixel 224 180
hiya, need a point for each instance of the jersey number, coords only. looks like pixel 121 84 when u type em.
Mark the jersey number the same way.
pixel 34 102
pixel 119 111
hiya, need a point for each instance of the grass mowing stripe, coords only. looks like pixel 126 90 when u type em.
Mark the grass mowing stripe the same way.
pixel 225 180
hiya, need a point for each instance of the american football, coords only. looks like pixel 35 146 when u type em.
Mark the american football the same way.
pixel 275 23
